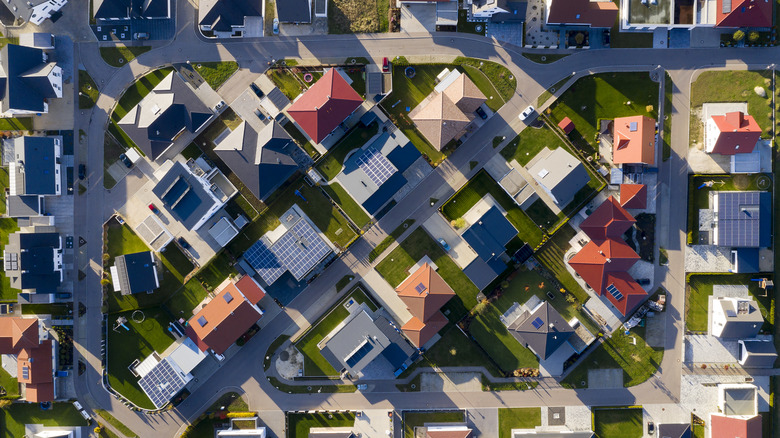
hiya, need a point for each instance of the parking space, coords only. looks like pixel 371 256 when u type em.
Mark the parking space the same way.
pixel 460 251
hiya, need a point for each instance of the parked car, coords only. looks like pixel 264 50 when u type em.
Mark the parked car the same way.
pixel 5 309
pixel 276 26
pixel 362 387
pixel 183 243
pixel 605 38
pixel 126 161
pixel 82 171
pixel 141 36
pixel 259 114
pixel 482 114
pixel 643 281
pixel 650 428
pixel 527 112
pixel 444 244
pixel 257 90
pixel 154 209
pixel 385 64
pixel 63 295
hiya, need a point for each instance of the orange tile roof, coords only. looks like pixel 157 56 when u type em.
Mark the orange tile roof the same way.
pixel 633 140
pixel 738 133
pixel 729 427
pixel 39 385
pixel 632 292
pixel 566 125
pixel 744 13
pixel 421 332
pixel 633 196
pixel 449 434
pixel 424 292
pixel 594 261
pixel 583 12
pixel 609 220
pixel 17 333
pixel 251 290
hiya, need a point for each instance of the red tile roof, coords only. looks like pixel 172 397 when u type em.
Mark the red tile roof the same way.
pixel 465 433
pixel 733 427
pixel 609 220
pixel 17 333
pixel 583 12
pixel 566 125
pixel 633 196
pixel 421 332
pixel 251 290
pixel 633 140
pixel 632 292
pixel 19 336
pixel 424 292
pixel 226 317
pixel 745 13
pixel 594 261
pixel 325 105
pixel 738 133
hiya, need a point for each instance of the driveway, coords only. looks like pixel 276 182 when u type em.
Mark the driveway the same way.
pixel 460 251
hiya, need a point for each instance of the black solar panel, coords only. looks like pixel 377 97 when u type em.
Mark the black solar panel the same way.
pixel 360 353
pixel 614 292
pixel 162 383
pixel 420 288
pixel 739 219
pixel 537 323
pixel 376 166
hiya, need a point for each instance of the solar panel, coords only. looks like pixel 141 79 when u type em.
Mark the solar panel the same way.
pixel 265 262
pixel 614 292
pixel 739 219
pixel 420 288
pixel 162 383
pixel 25 373
pixel 376 166
pixel 360 353
pixel 228 297
pixel 537 323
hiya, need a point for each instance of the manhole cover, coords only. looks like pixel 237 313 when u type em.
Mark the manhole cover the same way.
pixel 284 355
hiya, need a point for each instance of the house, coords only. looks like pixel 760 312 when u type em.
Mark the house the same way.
pixel 261 160
pixel 608 221
pixel 737 414
pixel 543 330
pixel 499 11
pixel 170 109
pixel 735 318
pixel 743 13
pixel 23 338
pixel 34 169
pixel 448 431
pixel 161 378
pixel 231 18
pixel 34 11
pixel 294 11
pixel 227 316
pixel 235 431
pixel 591 13
pixel 424 292
pixel 331 432
pixel 560 175
pixel 671 430
pixel 633 140
pixel 488 237
pixel 754 353
pixel 27 80
pixel 135 273
pixel 324 106
pixel 633 196
pixel 131 9
pixel 741 219
pixel 446 113
pixel 731 133
pixel 33 261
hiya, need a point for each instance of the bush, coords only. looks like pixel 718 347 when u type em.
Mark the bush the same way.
pixel 753 36
pixel 241 414
pixel 738 35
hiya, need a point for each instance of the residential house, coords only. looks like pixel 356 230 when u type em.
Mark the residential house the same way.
pixel 227 316
pixel 561 176
pixel 450 108
pixel 424 292
pixel 737 414
pixel 231 18
pixel 608 221
pixel 161 378
pixel 488 237
pixel 499 11
pixel 543 330
pixel 33 260
pixel 448 431
pixel 243 432
pixel 741 219
pixel 23 338
pixel 135 273
pixel 633 140
pixel 735 318
pixel 672 430
pixel 294 11
pixel 27 81
pixel 755 353
pixel 170 109
pixel 130 9
pixel 325 105
pixel 731 133
pixel 633 196
pixel 34 11
pixel 34 170
pixel 743 13
pixel 261 160
pixel 591 13
pixel 37 40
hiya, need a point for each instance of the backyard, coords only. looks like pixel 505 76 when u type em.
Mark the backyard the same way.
pixel 287 82
pixel 699 290
pixel 298 425
pixel 530 142
pixel 395 266
pixel 14 417
pixel 216 73
pixel 314 363
pixel 7 226
pixel 330 165
pixel 358 16
pixel 517 418
pixel 490 333
pixel 356 213
pixel 479 186
pixel 618 422
pixel 389 240
pixel 419 419
pixel 119 55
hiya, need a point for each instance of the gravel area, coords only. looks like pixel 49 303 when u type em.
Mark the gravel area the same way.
pixel 707 258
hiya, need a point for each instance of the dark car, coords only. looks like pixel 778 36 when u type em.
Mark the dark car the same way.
pixel 257 90
pixel 605 38
pixel 126 161
pixel 183 243
pixel 482 113
pixel 650 428
pixel 82 171
pixel 643 281
pixel 385 65
pixel 63 295
pixel 259 114
pixel 5 309
pixel 154 209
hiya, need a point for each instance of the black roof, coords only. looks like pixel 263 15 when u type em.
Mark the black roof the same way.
pixel 36 261
pixel 108 9
pixel 39 166
pixel 24 84
pixel 674 430
pixel 226 13
pixel 293 11
pixel 262 160
pixel 23 206
pixel 183 196
pixel 543 331
pixel 744 219
pixel 137 272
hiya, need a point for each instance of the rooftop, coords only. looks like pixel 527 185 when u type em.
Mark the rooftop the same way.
pixel 561 175
pixel 732 133
pixel 489 236
pixel 294 11
pixel 633 140
pixel 608 220
pixel 135 273
pixel 222 15
pixel 543 330
pixel 33 261
pixel 583 12
pixel 27 80
pixel 187 197
pixel 126 9
pixel 33 165
pixel 743 13
pixel 743 219
pixel 633 196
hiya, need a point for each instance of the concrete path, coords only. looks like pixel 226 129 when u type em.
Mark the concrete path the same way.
pixel 605 378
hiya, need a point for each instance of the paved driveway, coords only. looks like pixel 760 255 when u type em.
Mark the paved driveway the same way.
pixel 460 251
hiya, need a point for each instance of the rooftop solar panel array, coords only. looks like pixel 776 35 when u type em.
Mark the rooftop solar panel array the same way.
pixel 739 219
pixel 537 323
pixel 378 168
pixel 162 383
pixel 265 262
pixel 614 292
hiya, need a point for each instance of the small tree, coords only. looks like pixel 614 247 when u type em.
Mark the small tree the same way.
pixel 579 38
pixel 738 35
pixel 753 36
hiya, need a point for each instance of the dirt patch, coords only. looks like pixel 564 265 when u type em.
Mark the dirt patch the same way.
pixel 353 16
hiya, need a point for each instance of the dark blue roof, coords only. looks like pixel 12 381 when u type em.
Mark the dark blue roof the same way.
pixel 21 92
pixel 403 157
pixel 744 219
pixel 140 272
pixel 184 196
pixel 747 260
pixel 39 166
pixel 37 261
pixel 384 193
pixel 489 235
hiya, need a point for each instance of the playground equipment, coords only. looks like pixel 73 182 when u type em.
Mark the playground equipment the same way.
pixel 138 317
pixel 710 184
pixel 120 322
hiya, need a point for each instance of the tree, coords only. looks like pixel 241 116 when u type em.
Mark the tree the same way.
pixel 579 38
pixel 753 36
pixel 738 35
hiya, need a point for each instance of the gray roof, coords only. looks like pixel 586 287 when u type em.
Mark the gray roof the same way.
pixel 674 431
pixel 223 14
pixel 23 82
pixel 276 98
pixel 744 219
pixel 261 160
pixel 35 163
pixel 183 195
pixel 739 401
pixel 293 11
pixel 30 261
pixel 118 9
pixel 23 206
pixel 356 344
pixel 23 8
pixel 339 434
pixel 562 174
pixel 137 273
pixel 543 331
pixel 757 354
pixel 743 321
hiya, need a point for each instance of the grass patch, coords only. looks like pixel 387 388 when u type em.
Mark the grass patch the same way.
pixel 287 82
pixel 466 26
pixel 491 334
pixel 544 58
pixel 395 266
pixel 9 384
pixel 418 419
pixel 387 241
pixel 116 423
pixel 14 417
pixel 191 152
pixel 216 271
pixel 480 185
pixel 517 418
pixel 454 349
pixel 618 423
pixel 529 143
pixel 548 93
pixel 345 280
pixel 7 226
pixel 183 302
pixel 667 134
pixel 330 165
pixel 358 216
pixel 216 73
pixel 500 77
pixel 88 91
pixel 700 289
pixel 126 346
pixel 47 309
pixel 120 55
pixel 541 214
pixel 358 16
pixel 314 363
pixel 299 424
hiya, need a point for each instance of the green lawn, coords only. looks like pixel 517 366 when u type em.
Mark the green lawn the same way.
pixel 454 349
pixel 182 303
pixel 121 54
pixel 699 431
pixel 415 419
pixel 14 417
pixel 122 240
pixel 517 418
pixel 394 268
pixel 216 73
pixel 298 425
pixel 314 363
pixel 137 91
pixel 387 241
pixel 530 142
pixel 7 226
pixel 466 26
pixel 358 16
pixel 330 165
pixel 345 280
pixel 618 423
pixel 541 214
pixel 732 86
pixel 110 419
pixel 604 96
pixel 16 124
pixel 700 289
pixel 667 134
pixel 216 271
pixel 88 91
pixel 551 256
pixel 139 342
pixel 9 384
pixel 215 416
pixel 491 334
pixel 480 185
pixel 46 309
pixel 287 82
pixel 499 76
pixel 359 217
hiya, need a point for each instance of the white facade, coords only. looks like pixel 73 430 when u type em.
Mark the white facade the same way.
pixel 711 133
pixel 44 10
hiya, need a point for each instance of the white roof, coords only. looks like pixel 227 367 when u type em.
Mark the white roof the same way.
pixel 223 231
pixel 187 355
pixel 146 365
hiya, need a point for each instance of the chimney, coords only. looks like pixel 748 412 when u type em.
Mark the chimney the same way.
pixel 609 260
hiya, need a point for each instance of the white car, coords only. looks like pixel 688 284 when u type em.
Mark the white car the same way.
pixel 527 112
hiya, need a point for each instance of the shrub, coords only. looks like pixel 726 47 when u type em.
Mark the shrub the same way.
pixel 738 35
pixel 753 36
pixel 241 414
